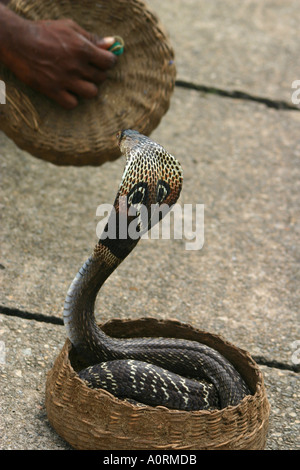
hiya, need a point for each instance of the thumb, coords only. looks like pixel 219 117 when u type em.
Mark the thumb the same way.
pixel 104 43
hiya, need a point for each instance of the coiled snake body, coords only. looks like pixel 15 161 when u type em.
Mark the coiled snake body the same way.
pixel 176 373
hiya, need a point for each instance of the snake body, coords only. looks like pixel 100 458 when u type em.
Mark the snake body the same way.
pixel 176 373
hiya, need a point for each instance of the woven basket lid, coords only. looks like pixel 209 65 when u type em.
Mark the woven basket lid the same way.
pixel 93 419
pixel 136 95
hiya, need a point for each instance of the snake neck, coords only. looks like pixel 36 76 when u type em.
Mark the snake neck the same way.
pixel 151 177
pixel 78 313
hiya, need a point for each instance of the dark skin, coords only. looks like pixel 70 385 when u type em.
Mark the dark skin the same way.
pixel 57 58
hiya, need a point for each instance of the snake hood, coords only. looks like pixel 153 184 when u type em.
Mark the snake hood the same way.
pixel 151 174
pixel 150 186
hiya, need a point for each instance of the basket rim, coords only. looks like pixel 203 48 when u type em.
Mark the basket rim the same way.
pixel 99 393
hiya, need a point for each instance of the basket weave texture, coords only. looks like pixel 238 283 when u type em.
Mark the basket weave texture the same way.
pixel 136 94
pixel 93 419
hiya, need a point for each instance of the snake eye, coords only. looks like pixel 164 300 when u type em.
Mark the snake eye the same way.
pixel 162 191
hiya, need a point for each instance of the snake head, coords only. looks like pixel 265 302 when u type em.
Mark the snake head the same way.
pixel 151 177
pixel 151 167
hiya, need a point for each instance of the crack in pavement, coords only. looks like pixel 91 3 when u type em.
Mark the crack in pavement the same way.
pixel 39 317
pixel 240 95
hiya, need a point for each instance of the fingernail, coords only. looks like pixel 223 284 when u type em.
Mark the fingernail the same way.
pixel 109 40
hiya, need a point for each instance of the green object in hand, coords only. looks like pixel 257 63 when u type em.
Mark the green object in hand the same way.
pixel 118 47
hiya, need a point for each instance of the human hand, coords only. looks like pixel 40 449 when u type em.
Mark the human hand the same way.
pixel 59 59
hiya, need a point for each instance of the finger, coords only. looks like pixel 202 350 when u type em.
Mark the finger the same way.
pixel 83 88
pixel 66 99
pixel 93 74
pixel 105 43
pixel 79 29
pixel 101 58
pixel 102 42
pixel 95 49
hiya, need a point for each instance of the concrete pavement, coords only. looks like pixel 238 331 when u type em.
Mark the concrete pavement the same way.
pixel 240 159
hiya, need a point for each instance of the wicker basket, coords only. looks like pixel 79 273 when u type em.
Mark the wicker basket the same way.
pixel 136 95
pixel 94 419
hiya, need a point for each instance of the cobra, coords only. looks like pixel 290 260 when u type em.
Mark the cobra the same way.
pixel 176 373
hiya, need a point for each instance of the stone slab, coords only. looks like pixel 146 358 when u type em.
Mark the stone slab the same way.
pixel 251 46
pixel 240 159
pixel 28 353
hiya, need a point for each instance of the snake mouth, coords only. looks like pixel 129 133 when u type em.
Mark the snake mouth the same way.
pixel 130 135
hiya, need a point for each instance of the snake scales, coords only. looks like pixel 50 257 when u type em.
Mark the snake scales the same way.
pixel 176 373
